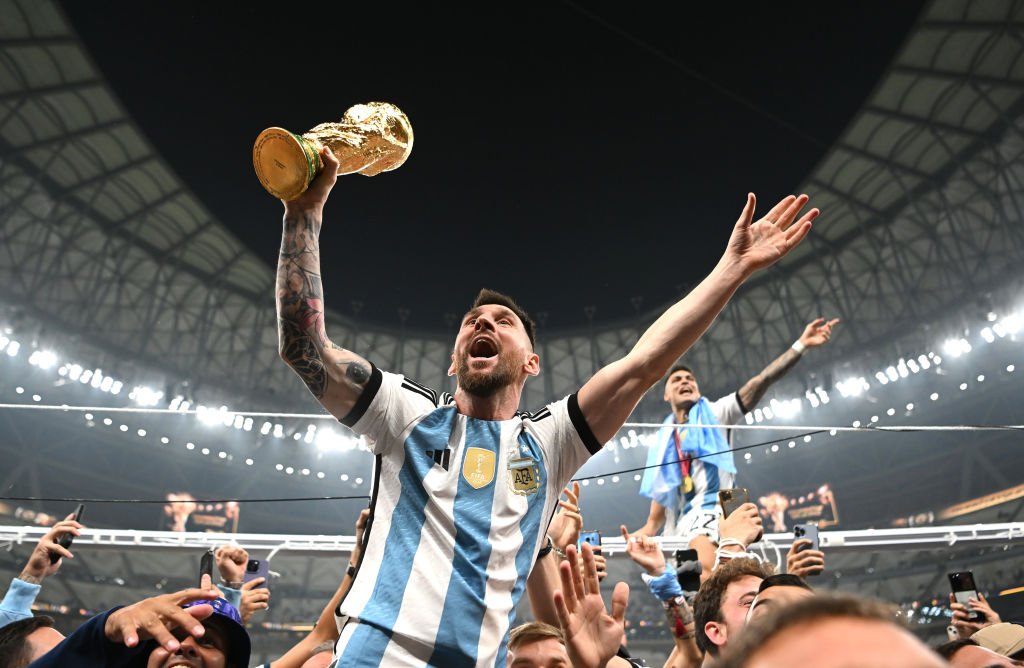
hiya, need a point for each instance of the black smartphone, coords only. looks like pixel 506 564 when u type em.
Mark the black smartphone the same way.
pixel 66 539
pixel 964 589
pixel 808 531
pixel 257 568
pixel 206 565
pixel 688 568
pixel 731 499
pixel 592 537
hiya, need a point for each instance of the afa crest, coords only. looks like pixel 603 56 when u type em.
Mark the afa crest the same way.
pixel 478 467
pixel 523 476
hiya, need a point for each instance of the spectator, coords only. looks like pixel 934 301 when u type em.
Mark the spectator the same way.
pixel 25 640
pixel 803 561
pixel 827 631
pixel 967 653
pixel 1002 638
pixel 537 645
pixel 193 627
pixel 248 597
pixel 776 591
pixel 17 603
pixel 720 607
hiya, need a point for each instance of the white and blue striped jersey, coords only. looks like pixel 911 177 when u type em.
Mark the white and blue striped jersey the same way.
pixel 707 479
pixel 460 510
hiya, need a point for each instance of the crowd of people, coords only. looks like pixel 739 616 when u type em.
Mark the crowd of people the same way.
pixel 471 509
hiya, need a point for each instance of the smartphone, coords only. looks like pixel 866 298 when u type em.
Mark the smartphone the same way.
pixel 688 569
pixel 258 568
pixel 731 499
pixel 66 539
pixel 206 565
pixel 808 531
pixel 964 589
pixel 592 537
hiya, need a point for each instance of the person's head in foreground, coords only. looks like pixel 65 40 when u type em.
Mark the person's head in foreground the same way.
pixel 967 653
pixel 1002 638
pixel 776 591
pixel 537 645
pixel 828 631
pixel 721 605
pixel 25 640
pixel 225 643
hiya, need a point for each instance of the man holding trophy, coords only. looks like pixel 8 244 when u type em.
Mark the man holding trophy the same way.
pixel 464 485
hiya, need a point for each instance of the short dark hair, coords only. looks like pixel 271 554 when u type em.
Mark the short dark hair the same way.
pixel 812 609
pixel 707 605
pixel 947 650
pixel 15 651
pixel 679 367
pixel 783 580
pixel 487 296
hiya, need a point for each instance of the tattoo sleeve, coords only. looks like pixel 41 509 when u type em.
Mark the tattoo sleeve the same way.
pixel 302 334
pixel 754 389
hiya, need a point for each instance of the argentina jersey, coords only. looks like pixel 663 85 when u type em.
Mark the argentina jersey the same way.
pixel 459 511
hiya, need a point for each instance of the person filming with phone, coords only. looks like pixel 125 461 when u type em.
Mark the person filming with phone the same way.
pixel 689 466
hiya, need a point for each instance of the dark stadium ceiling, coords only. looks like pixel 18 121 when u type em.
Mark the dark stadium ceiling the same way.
pixel 126 234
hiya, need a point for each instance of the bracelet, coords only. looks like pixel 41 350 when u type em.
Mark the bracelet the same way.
pixel 559 551
pixel 799 347
pixel 233 585
pixel 351 572
pixel 546 550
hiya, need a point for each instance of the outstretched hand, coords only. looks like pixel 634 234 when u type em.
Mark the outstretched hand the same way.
pixel 38 565
pixel 158 616
pixel 818 332
pixel 592 636
pixel 644 551
pixel 756 245
pixel 565 526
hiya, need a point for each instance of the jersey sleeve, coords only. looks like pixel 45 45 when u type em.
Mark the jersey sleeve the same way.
pixel 564 436
pixel 728 410
pixel 388 405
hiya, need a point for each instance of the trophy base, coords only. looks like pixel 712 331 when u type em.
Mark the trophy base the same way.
pixel 285 163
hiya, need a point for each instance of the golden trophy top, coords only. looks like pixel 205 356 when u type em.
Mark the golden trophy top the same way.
pixel 371 138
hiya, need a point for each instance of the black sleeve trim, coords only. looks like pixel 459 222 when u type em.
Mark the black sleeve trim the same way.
pixel 363 402
pixel 739 400
pixel 582 428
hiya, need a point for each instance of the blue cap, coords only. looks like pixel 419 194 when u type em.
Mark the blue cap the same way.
pixel 227 617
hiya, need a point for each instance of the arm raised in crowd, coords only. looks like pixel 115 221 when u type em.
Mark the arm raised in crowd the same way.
pixel 335 376
pixel 17 603
pixel 815 334
pixel 608 398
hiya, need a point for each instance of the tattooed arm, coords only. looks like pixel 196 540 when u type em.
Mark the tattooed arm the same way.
pixel 335 376
pixel 815 334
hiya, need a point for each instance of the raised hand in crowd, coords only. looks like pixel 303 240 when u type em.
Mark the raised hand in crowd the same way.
pixel 38 566
pixel 644 551
pixel 817 332
pixel 804 562
pixel 738 531
pixel 968 627
pixel 564 529
pixel 231 561
pixel 592 636
pixel 158 616
pixel 255 596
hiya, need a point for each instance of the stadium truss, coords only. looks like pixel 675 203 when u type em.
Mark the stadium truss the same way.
pixel 101 240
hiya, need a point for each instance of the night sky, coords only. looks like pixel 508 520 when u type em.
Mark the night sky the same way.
pixel 571 155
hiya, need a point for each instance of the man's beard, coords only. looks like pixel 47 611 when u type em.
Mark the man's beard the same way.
pixel 485 385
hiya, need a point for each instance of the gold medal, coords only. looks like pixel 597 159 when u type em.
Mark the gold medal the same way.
pixel 687 484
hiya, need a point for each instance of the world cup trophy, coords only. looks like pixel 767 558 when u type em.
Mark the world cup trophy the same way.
pixel 371 138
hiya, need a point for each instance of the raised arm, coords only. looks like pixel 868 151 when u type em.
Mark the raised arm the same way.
pixel 335 376
pixel 815 334
pixel 608 398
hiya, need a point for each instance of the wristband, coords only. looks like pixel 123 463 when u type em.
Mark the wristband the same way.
pixel 351 572
pixel 799 347
pixel 666 586
pixel 233 585
pixel 546 550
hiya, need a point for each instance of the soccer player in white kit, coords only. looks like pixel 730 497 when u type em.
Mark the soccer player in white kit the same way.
pixel 464 485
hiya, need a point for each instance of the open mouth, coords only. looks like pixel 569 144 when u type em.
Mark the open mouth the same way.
pixel 483 348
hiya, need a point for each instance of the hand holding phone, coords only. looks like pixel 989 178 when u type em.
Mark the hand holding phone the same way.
pixel 592 537
pixel 964 589
pixel 257 568
pixel 731 499
pixel 66 539
pixel 808 531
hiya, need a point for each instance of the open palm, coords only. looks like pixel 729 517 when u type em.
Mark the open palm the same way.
pixel 756 245
pixel 592 636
